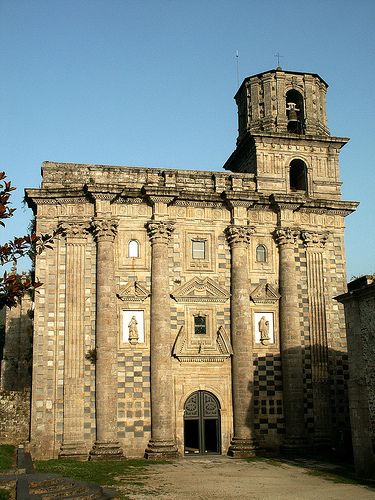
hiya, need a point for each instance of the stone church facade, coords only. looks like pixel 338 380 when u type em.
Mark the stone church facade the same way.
pixel 191 312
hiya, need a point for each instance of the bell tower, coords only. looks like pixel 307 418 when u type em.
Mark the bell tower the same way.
pixel 283 136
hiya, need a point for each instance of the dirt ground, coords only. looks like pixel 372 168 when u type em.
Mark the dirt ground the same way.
pixel 226 479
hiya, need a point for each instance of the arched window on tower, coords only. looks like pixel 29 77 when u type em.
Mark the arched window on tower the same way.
pixel 298 176
pixel 133 248
pixel 295 112
pixel 261 253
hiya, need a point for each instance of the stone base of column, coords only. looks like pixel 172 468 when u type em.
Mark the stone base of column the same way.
pixel 106 451
pixel 76 450
pixel 242 448
pixel 161 450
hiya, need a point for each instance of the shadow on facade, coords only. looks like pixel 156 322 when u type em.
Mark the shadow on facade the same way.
pixel 15 379
pixel 318 401
pixel 16 354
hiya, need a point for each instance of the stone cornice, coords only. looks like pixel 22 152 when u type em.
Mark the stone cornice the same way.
pixel 34 197
pixel 264 293
pixel 133 292
pixel 287 137
pixel 200 290
pixel 310 205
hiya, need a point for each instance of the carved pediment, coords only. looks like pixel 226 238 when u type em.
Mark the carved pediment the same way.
pixel 200 290
pixel 264 293
pixel 197 351
pixel 133 292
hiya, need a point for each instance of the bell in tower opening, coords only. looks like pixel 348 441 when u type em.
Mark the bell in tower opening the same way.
pixel 294 111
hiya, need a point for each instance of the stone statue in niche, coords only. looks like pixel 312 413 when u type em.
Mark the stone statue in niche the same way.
pixel 133 331
pixel 264 330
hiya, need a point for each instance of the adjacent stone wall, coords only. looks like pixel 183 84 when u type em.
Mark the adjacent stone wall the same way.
pixel 359 305
pixel 15 416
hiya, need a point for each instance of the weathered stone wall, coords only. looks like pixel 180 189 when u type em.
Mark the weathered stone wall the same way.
pixel 14 416
pixel 359 305
pixel 15 373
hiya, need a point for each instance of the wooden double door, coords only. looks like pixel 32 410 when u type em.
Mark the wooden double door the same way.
pixel 202 434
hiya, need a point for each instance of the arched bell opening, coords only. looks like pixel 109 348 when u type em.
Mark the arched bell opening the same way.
pixel 202 424
pixel 298 176
pixel 295 112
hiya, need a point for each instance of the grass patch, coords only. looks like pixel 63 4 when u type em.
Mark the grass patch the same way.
pixel 338 477
pixel 7 457
pixel 4 494
pixel 105 473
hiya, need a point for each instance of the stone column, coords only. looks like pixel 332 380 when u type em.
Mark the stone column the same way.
pixel 106 445
pixel 162 443
pixel 73 444
pixel 314 243
pixel 290 342
pixel 243 443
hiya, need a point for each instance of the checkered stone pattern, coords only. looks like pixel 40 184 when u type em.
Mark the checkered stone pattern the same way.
pixel 90 314
pixel 338 358
pixel 268 407
pixel 134 410
pixel 224 279
pixel 175 258
pixel 303 301
pixel 59 339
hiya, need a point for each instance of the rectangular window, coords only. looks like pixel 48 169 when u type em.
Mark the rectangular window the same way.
pixel 198 249
pixel 200 326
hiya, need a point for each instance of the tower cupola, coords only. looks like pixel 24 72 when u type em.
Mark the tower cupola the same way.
pixel 282 102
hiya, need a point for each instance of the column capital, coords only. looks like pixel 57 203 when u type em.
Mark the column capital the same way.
pixel 285 236
pixel 313 239
pixel 74 229
pixel 160 231
pixel 104 229
pixel 239 235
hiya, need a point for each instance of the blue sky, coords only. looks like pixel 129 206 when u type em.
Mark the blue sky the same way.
pixel 151 83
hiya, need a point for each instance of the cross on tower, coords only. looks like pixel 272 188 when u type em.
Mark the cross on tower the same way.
pixel 278 55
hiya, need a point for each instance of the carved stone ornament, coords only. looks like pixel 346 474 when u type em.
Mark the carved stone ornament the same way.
pixel 200 290
pixel 314 239
pixel 239 234
pixel 264 293
pixel 285 236
pixel 160 231
pixel 199 352
pixel 133 292
pixel 133 331
pixel 74 229
pixel 104 229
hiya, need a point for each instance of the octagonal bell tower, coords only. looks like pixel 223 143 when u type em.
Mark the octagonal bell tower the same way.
pixel 283 137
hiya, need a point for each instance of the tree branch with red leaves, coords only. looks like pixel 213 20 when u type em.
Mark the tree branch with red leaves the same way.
pixel 12 285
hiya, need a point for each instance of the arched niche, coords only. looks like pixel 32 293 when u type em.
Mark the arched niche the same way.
pixel 295 111
pixel 298 175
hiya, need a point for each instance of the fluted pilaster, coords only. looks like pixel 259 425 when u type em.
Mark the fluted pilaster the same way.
pixel 162 443
pixel 314 243
pixel 73 444
pixel 290 341
pixel 106 445
pixel 242 444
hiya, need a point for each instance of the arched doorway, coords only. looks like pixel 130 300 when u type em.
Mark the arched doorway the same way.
pixel 202 424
